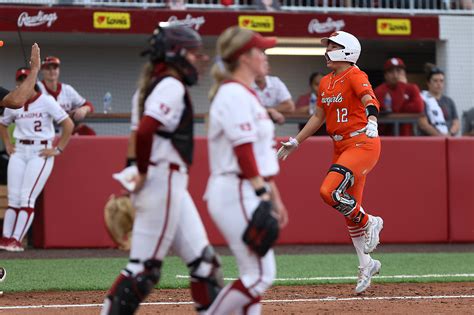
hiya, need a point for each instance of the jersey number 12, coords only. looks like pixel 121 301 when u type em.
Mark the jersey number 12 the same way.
pixel 341 114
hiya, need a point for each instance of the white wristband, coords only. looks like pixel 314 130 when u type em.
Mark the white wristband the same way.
pixel 293 142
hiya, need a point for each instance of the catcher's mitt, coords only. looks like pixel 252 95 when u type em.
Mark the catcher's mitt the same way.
pixel 119 215
pixel 262 230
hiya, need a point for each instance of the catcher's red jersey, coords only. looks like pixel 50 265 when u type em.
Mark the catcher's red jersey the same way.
pixel 340 98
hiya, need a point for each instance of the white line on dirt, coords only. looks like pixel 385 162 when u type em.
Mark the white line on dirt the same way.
pixel 455 275
pixel 326 299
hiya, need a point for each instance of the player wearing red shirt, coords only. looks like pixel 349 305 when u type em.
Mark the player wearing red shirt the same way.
pixel 347 103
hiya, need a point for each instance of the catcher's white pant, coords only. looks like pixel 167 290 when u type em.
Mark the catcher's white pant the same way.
pixel 27 175
pixel 231 202
pixel 165 217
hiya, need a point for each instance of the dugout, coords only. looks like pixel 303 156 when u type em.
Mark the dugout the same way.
pixel 99 59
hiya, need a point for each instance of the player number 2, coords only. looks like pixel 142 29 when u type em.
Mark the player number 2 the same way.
pixel 37 126
pixel 341 114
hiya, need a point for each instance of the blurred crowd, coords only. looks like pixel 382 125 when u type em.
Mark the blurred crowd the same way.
pixel 273 5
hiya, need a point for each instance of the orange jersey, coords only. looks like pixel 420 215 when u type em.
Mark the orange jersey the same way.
pixel 340 98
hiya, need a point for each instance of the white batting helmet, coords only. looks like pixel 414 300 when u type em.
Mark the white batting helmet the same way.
pixel 351 44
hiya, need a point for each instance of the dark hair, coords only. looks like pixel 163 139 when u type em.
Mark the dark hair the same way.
pixel 431 69
pixel 312 76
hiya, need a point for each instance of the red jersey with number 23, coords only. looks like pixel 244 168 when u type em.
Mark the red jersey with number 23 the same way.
pixel 340 98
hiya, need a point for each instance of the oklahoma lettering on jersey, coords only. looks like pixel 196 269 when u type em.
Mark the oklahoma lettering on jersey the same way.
pixel 236 117
pixel 65 95
pixel 34 121
pixel 340 98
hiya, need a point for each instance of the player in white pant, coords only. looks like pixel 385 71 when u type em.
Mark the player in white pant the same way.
pixel 242 162
pixel 162 142
pixel 31 159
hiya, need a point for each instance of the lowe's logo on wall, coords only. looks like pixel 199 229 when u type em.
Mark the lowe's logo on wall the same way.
pixel 257 23
pixel 393 26
pixel 112 20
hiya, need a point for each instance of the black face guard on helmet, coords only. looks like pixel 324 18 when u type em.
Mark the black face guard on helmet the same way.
pixel 170 45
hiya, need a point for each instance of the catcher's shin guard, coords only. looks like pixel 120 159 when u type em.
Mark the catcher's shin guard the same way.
pixel 206 278
pixel 128 291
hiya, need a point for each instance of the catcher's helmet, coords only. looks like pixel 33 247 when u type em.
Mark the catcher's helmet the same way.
pixel 170 44
pixel 351 44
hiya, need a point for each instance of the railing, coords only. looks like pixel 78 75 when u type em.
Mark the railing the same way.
pixel 393 119
pixel 361 6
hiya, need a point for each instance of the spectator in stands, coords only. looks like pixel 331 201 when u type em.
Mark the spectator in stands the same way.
pixel 72 102
pixel 274 95
pixel 467 4
pixel 268 5
pixel 398 96
pixel 441 116
pixel 306 103
pixel 468 123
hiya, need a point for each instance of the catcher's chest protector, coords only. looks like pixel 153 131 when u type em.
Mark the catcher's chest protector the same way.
pixel 182 137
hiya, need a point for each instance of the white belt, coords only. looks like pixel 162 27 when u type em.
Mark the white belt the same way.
pixel 351 135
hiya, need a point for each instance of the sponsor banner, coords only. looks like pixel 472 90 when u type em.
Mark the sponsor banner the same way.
pixel 393 27
pixel 112 20
pixel 257 23
pixel 41 18
pixel 286 24
pixel 194 22
pixel 323 27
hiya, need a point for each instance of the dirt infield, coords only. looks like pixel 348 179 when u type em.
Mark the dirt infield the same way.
pixel 431 298
pixel 408 298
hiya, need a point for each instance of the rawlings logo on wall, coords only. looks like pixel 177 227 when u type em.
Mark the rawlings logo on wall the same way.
pixel 189 21
pixel 36 20
pixel 328 26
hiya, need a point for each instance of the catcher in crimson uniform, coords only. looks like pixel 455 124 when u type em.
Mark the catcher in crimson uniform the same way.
pixel 347 103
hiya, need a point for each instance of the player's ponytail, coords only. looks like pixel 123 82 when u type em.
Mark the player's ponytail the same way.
pixel 143 85
pixel 228 43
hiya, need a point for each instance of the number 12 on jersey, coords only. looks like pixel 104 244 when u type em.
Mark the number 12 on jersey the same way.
pixel 341 114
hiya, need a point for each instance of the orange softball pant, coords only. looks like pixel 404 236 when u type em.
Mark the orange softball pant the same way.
pixel 358 155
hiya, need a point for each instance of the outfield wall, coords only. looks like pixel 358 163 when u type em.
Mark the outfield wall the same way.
pixel 422 187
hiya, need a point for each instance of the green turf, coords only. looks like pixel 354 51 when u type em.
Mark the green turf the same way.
pixel 98 274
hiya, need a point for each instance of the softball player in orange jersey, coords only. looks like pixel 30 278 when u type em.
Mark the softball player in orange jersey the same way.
pixel 347 103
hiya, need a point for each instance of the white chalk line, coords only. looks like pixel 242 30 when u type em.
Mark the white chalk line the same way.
pixel 454 275
pixel 326 299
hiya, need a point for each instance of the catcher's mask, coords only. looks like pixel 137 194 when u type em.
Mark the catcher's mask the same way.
pixel 170 44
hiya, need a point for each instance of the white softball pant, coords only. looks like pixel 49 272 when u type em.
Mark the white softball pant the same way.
pixel 27 175
pixel 165 217
pixel 231 202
